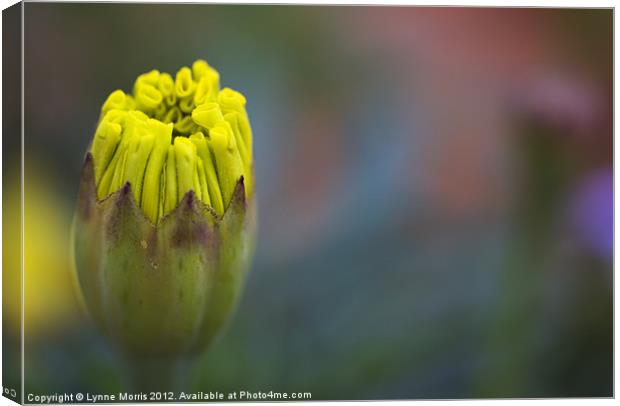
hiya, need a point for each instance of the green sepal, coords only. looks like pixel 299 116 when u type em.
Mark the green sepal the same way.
pixel 165 289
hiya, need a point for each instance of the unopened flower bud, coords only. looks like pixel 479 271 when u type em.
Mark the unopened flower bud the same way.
pixel 165 222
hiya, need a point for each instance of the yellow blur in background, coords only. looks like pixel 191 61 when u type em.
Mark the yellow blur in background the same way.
pixel 50 304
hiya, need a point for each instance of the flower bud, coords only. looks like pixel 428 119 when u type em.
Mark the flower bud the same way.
pixel 164 227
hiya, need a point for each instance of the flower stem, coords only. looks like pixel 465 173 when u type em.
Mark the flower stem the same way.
pixel 156 374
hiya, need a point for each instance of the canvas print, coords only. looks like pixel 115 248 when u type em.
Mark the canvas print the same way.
pixel 208 202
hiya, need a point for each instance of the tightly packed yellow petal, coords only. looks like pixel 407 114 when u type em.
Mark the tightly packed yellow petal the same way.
pixel 173 135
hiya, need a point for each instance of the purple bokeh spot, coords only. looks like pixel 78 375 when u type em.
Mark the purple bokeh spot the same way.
pixel 566 101
pixel 592 212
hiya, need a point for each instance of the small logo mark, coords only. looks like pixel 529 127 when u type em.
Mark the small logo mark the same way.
pixel 10 392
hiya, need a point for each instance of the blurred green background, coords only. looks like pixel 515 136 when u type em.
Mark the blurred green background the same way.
pixel 435 192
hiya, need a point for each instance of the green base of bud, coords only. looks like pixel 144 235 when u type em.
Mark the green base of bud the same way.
pixel 161 290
